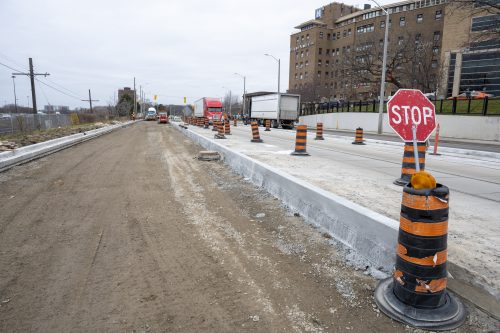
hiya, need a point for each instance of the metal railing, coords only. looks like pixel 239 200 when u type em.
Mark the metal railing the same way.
pixel 485 107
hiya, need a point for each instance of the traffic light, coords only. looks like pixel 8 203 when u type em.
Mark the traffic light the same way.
pixel 184 100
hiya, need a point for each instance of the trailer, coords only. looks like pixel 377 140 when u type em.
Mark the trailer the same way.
pixel 263 106
pixel 208 107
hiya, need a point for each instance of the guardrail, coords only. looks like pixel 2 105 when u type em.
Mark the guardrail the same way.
pixel 482 107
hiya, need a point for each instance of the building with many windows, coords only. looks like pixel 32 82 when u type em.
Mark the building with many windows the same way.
pixel 434 46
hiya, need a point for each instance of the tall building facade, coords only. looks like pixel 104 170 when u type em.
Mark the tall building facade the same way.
pixel 338 54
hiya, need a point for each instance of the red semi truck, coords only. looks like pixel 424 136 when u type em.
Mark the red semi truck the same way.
pixel 208 107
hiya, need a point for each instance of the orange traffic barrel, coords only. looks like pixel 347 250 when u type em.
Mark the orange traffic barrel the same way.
pixel 416 293
pixel 358 139
pixel 205 125
pixel 220 131
pixel 214 125
pixel 319 131
pixel 408 167
pixel 255 133
pixel 300 141
pixel 235 122
pixel 268 125
pixel 227 126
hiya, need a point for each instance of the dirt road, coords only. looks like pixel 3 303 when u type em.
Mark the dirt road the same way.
pixel 130 233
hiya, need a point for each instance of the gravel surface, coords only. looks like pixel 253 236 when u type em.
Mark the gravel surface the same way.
pixel 130 232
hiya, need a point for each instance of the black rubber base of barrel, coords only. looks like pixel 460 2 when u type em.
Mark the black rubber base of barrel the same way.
pixel 256 140
pixel 437 154
pixel 205 127
pixel 267 130
pixel 217 136
pixel 400 182
pixel 447 317
pixel 319 139
pixel 358 143
pixel 299 154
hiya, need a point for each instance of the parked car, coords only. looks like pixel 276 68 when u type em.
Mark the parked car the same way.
pixel 151 115
pixel 162 118
pixel 472 95
pixel 177 119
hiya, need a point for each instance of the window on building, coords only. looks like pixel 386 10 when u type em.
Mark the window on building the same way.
pixel 402 21
pixel 320 50
pixel 381 42
pixel 326 74
pixel 307 63
pixel 327 63
pixel 319 62
pixel 301 76
pixel 296 65
pixel 390 23
pixel 418 37
pixel 435 50
pixel 401 40
pixel 319 73
pixel 296 55
pixel 343 49
pixel 439 14
pixel 334 36
pixel 434 64
pixel 338 35
pixel 338 51
pixel 302 38
pixel 307 53
pixel 321 34
pixel 327 51
pixel 348 49
pixel 296 75
pixel 420 18
pixel 305 75
pixel 298 39
pixel 301 64
pixel 344 33
pixel 349 32
pixel 485 23
pixel 307 37
pixel 437 35
pixel 328 36
pixel 302 54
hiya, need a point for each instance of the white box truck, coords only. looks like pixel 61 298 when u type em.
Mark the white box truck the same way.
pixel 264 107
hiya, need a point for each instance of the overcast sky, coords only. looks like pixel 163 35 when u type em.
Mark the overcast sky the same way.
pixel 173 48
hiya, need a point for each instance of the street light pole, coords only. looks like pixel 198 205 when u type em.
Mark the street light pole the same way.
pixel 279 93
pixel 384 64
pixel 244 92
pixel 15 97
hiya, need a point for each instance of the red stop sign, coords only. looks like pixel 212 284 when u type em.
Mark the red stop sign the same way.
pixel 410 107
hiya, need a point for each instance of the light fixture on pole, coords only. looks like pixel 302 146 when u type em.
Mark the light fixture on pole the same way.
pixel 279 94
pixel 384 64
pixel 15 97
pixel 244 91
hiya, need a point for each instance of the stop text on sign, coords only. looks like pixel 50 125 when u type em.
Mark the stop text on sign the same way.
pixel 408 114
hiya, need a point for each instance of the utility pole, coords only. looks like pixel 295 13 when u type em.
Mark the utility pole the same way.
pixel 32 75
pixel 15 97
pixel 135 99
pixel 90 100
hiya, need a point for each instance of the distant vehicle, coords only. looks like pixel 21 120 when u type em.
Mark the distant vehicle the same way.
pixel 5 115
pixel 177 119
pixel 472 95
pixel 162 118
pixel 208 107
pixel 151 114
pixel 263 107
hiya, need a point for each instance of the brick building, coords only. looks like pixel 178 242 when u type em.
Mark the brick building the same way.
pixel 337 55
pixel 126 91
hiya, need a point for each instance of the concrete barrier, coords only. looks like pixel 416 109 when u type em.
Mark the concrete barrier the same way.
pixel 371 235
pixel 452 126
pixel 17 156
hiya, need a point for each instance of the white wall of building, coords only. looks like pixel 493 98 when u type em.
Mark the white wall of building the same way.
pixel 451 126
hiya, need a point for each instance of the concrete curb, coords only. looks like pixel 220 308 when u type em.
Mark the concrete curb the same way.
pixel 372 235
pixel 8 159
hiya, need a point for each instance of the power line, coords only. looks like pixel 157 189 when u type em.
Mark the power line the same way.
pixel 62 92
pixel 12 68
pixel 62 87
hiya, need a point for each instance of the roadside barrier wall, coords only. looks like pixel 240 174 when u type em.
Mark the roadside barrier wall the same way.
pixel 452 126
